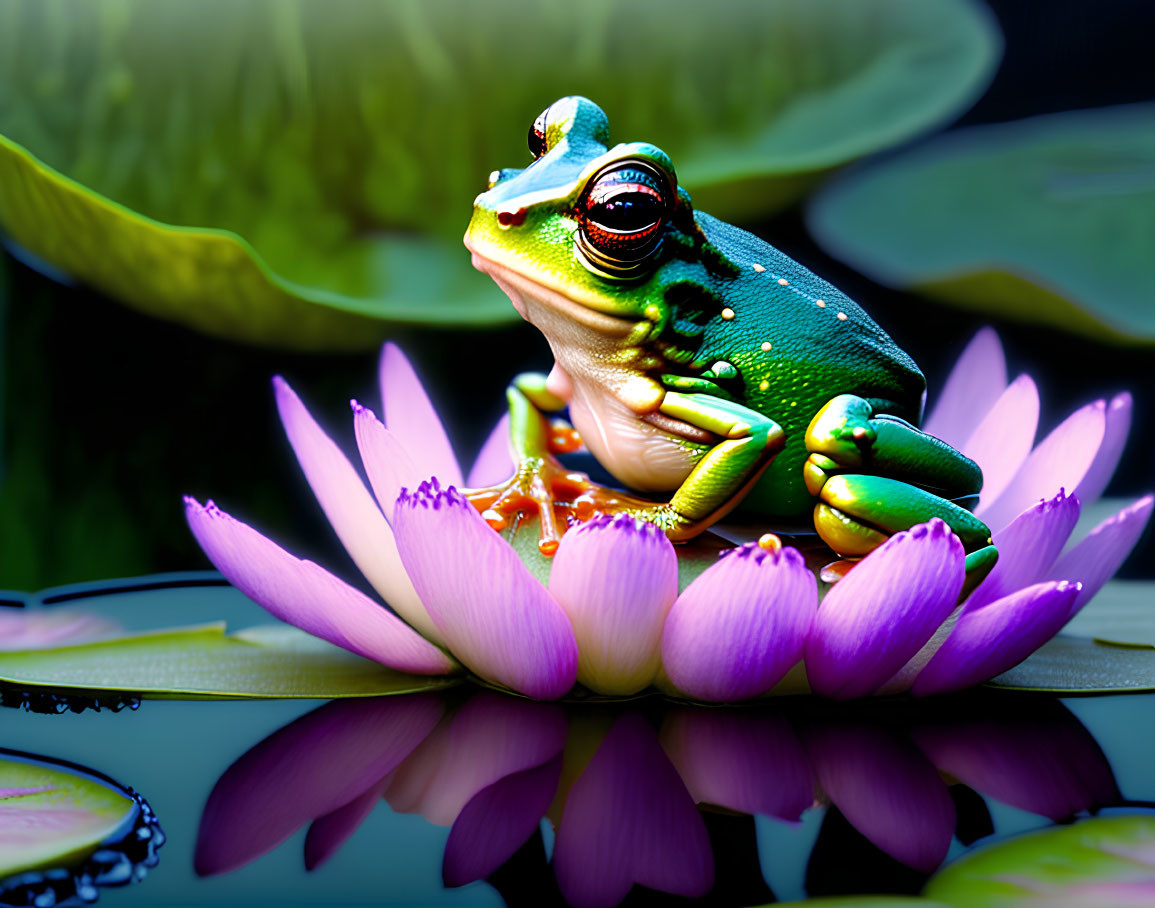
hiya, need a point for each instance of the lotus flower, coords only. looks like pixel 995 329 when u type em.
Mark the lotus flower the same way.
pixel 625 798
pixel 611 616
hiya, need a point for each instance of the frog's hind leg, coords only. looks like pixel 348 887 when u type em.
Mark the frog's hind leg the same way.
pixel 875 475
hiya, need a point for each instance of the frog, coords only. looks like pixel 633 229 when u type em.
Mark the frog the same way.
pixel 704 369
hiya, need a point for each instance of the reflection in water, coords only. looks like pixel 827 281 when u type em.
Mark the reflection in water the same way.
pixel 653 794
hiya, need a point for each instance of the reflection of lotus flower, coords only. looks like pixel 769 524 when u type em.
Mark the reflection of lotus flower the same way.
pixel 623 796
pixel 611 617
pixel 42 628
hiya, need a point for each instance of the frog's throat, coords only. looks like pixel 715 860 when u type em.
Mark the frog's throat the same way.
pixel 517 285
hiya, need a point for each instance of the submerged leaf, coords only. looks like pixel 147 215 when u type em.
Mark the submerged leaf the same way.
pixel 1104 861
pixel 206 663
pixel 297 172
pixel 51 816
pixel 1079 665
pixel 1049 220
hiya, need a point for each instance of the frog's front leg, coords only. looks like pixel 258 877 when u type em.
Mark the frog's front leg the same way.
pixel 875 475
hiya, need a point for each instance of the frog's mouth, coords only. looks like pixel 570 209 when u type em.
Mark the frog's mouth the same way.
pixel 518 287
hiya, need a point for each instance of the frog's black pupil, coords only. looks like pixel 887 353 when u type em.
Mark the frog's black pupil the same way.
pixel 627 211
pixel 536 142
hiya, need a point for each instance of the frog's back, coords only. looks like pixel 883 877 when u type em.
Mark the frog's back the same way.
pixel 797 341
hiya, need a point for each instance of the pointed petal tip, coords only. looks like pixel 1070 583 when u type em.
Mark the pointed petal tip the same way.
pixel 988 641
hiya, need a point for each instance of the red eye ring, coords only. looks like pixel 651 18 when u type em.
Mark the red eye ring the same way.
pixel 621 215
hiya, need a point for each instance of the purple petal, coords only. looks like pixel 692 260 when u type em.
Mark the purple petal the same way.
pixel 1059 461
pixel 1096 558
pixel 990 640
pixel 741 625
pixel 309 597
pixel 628 819
pixel 385 458
pixel 880 614
pixel 747 762
pixel 616 578
pixel 1114 440
pixel 1048 764
pixel 886 789
pixel 498 821
pixel 490 737
pixel 317 764
pixel 328 833
pixel 408 412
pixel 496 617
pixel 1003 439
pixel 1028 548
pixel 494 463
pixel 974 384
pixel 350 508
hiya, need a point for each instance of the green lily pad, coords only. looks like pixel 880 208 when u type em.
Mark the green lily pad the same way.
pixel 1105 861
pixel 1080 665
pixel 298 173
pixel 1049 220
pixel 206 663
pixel 51 816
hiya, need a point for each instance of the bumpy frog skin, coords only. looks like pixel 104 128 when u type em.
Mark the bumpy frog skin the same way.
pixel 698 360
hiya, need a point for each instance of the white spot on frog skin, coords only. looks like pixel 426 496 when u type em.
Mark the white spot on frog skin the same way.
pixel 727 313
pixel 767 346
pixel 759 268
pixel 821 304
pixel 783 281
pixel 842 316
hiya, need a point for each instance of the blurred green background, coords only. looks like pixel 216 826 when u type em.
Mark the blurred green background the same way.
pixel 197 196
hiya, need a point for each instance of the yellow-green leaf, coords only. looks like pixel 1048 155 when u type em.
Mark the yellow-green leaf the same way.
pixel 298 173
pixel 1049 220
pixel 206 663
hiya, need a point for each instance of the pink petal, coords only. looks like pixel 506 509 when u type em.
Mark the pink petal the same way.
pixel 492 736
pixel 35 628
pixel 747 762
pixel 741 625
pixel 494 463
pixel 1028 548
pixel 311 767
pixel 971 389
pixel 990 640
pixel 349 507
pixel 306 595
pixel 1046 764
pixel 1114 440
pixel 409 414
pixel 330 832
pixel 628 819
pixel 1003 439
pixel 886 789
pixel 880 614
pixel 1096 558
pixel 616 578
pixel 385 458
pixel 1059 461
pixel 495 616
pixel 498 821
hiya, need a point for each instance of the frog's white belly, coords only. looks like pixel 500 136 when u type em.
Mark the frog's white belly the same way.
pixel 606 397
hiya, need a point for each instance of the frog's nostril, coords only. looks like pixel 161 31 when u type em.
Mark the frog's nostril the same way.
pixel 511 218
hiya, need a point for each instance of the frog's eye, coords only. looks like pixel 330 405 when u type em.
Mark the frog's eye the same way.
pixel 537 143
pixel 621 215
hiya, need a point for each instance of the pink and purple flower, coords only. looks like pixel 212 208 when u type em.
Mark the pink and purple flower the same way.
pixel 611 617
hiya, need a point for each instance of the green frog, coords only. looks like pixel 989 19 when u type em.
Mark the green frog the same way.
pixel 700 366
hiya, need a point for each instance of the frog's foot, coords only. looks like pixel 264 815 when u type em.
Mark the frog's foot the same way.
pixel 875 475
pixel 560 498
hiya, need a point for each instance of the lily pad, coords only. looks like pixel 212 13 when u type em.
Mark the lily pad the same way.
pixel 1049 220
pixel 52 816
pixel 1122 612
pixel 1080 665
pixel 206 663
pixel 297 173
pixel 1105 861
